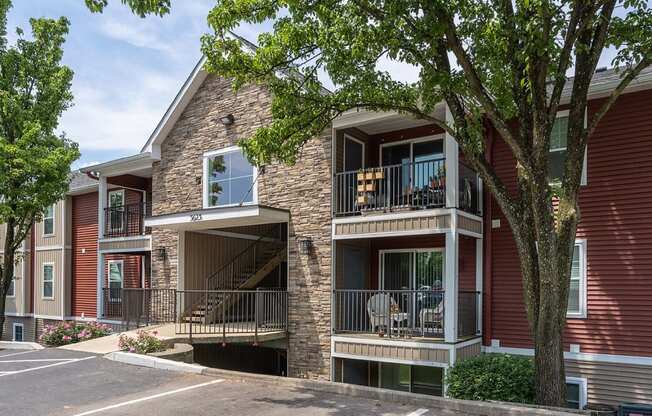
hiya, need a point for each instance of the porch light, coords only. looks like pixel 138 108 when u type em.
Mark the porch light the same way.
pixel 161 253
pixel 227 120
pixel 305 245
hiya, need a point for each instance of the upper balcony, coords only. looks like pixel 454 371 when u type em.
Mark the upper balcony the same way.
pixel 398 176
pixel 126 220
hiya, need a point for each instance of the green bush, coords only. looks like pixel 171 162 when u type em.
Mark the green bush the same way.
pixel 65 333
pixel 499 377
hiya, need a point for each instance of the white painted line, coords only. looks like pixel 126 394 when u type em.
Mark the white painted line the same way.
pixel 39 360
pixel 17 353
pixel 418 412
pixel 46 366
pixel 143 399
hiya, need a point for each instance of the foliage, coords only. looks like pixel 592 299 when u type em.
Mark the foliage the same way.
pixel 499 377
pixel 140 7
pixel 34 159
pixel 70 333
pixel 496 65
pixel 143 343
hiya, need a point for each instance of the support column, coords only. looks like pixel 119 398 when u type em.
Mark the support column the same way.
pixel 451 283
pixel 101 219
pixel 452 165
pixel 479 261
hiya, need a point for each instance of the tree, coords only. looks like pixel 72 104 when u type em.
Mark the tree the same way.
pixel 141 8
pixel 34 160
pixel 499 64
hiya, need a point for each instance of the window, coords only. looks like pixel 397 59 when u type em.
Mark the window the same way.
pixel 576 392
pixel 48 221
pixel 18 332
pixel 577 290
pixel 228 178
pixel 12 288
pixel 116 209
pixel 48 281
pixel 557 158
pixel 115 279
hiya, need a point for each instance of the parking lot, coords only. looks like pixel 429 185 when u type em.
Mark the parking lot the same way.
pixel 69 383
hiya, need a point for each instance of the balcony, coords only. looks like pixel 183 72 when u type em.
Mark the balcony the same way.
pixel 402 314
pixel 125 220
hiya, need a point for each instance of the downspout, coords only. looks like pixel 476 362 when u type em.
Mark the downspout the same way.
pixel 487 284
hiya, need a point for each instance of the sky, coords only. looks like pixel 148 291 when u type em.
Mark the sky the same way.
pixel 128 69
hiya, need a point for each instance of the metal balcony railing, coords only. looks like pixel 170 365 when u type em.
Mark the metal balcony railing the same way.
pixel 125 220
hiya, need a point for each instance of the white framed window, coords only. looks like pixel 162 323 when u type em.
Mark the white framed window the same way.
pixel 576 392
pixel 558 140
pixel 12 288
pixel 47 286
pixel 116 209
pixel 48 221
pixel 577 289
pixel 116 279
pixel 18 334
pixel 228 179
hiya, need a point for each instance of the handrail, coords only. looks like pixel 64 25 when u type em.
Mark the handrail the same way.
pixel 436 159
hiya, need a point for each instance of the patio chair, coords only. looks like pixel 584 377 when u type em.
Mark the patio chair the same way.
pixel 379 308
pixel 432 316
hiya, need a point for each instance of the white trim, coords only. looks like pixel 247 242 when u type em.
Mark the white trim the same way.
pixel 242 213
pixel 51 248
pixel 584 177
pixel 19 314
pixel 48 317
pixel 54 224
pixel 205 182
pixel 469 233
pixel 582 314
pixel 129 238
pixel 389 234
pixel 390 360
pixel 22 332
pixel 42 281
pixel 579 356
pixel 122 271
pixel 395 216
pixel 581 381
pixel 360 142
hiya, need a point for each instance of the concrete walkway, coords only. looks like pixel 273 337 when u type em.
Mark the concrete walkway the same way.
pixel 108 344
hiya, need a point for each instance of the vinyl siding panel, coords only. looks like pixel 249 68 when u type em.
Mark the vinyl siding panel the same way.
pixel 49 307
pixel 57 239
pixel 616 222
pixel 84 255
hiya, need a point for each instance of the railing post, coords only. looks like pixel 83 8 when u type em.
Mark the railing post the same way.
pixel 256 310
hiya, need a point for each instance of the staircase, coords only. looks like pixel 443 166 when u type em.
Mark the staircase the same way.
pixel 242 274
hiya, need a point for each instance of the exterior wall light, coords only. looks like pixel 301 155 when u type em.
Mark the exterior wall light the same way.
pixel 227 120
pixel 161 253
pixel 305 245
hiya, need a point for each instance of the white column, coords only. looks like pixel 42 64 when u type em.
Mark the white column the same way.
pixel 451 284
pixel 101 217
pixel 478 279
pixel 452 165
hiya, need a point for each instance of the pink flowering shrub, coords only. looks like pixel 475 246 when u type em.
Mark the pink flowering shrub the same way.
pixel 70 333
pixel 142 343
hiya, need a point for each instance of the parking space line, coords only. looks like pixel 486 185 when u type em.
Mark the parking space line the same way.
pixel 418 412
pixel 71 361
pixel 17 353
pixel 38 360
pixel 143 399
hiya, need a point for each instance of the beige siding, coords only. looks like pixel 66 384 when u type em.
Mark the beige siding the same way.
pixel 610 383
pixel 49 307
pixel 57 239
pixel 3 228
pixel 15 303
pixel 205 254
pixel 396 352
pixel 432 223
pixel 462 353
pixel 29 330
pixel 469 224
pixel 143 244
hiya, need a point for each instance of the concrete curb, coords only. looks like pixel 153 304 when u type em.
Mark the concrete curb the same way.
pixel 15 345
pixel 154 362
pixel 446 406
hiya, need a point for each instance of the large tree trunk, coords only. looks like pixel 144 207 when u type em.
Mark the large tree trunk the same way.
pixel 7 271
pixel 549 368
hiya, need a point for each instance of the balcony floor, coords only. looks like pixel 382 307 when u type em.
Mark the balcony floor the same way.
pixel 413 338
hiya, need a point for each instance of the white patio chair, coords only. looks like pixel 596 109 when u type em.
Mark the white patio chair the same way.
pixel 379 309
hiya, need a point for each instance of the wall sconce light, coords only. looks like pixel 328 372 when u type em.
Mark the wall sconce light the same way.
pixel 161 253
pixel 305 245
pixel 227 120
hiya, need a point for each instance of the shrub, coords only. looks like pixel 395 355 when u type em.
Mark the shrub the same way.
pixel 70 333
pixel 499 377
pixel 143 343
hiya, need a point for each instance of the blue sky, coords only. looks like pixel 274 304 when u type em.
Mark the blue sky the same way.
pixel 128 69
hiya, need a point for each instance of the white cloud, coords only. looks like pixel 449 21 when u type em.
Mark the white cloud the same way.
pixel 140 36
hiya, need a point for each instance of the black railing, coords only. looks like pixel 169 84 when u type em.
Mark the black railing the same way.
pixel 125 220
pixel 401 313
pixel 416 185
pixel 195 312
pixel 136 307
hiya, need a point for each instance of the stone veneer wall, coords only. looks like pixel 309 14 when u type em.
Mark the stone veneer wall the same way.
pixel 303 189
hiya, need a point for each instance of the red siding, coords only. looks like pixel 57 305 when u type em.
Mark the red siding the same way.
pixel 84 265
pixel 131 269
pixel 616 222
pixel 466 263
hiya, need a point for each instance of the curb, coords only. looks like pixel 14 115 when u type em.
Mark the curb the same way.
pixel 15 345
pixel 444 405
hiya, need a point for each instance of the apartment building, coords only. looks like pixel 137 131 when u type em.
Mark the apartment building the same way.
pixel 377 259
